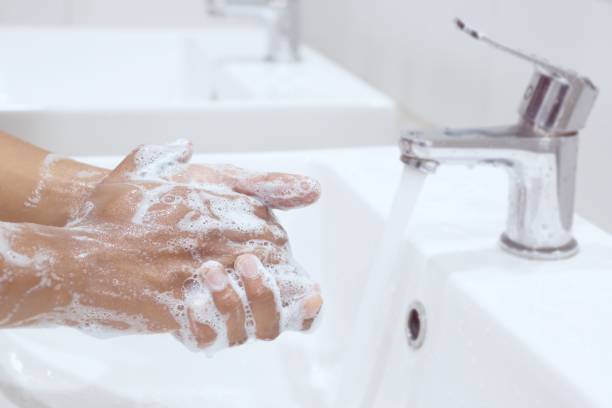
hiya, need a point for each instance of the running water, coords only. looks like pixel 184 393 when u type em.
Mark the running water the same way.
pixel 380 303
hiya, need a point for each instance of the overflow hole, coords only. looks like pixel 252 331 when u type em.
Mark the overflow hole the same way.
pixel 416 325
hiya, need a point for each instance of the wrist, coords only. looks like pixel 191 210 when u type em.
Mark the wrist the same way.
pixel 62 188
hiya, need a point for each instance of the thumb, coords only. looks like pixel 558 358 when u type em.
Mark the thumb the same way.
pixel 152 162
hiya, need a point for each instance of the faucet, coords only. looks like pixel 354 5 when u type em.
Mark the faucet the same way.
pixel 281 18
pixel 539 151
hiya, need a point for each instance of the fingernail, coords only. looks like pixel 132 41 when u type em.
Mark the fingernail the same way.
pixel 249 267
pixel 216 278
pixel 312 306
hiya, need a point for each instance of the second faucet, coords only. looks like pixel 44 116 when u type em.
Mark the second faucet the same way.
pixel 281 19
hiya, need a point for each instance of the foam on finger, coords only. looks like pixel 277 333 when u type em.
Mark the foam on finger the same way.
pixel 161 162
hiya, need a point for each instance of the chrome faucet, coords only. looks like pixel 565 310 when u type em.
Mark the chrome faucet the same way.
pixel 280 17
pixel 539 152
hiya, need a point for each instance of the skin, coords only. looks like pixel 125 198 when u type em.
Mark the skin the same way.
pixel 68 183
pixel 125 264
pixel 64 189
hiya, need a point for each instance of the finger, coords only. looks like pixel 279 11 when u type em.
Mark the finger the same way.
pixel 226 300
pixel 310 309
pixel 202 317
pixel 280 190
pixel 262 299
pixel 301 299
pixel 152 162
pixel 203 334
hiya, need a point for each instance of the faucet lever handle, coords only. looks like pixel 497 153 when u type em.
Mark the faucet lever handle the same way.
pixel 557 100
pixel 542 62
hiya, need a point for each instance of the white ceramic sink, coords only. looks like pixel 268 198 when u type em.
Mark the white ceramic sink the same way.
pixel 112 89
pixel 501 331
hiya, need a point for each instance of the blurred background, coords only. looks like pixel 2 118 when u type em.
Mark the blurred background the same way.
pixel 411 52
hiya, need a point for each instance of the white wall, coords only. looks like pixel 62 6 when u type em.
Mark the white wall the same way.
pixel 414 53
pixel 103 12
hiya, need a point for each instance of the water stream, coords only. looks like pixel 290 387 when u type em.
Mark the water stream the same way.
pixel 380 303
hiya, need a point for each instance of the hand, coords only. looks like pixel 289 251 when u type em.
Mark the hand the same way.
pixel 46 189
pixel 163 248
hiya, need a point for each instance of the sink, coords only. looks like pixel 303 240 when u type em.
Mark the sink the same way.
pixel 72 90
pixel 500 331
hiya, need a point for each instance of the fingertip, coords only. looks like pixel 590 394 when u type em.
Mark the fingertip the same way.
pixel 296 191
pixel 311 311
pixel 214 275
pixel 248 266
pixel 311 191
pixel 312 306
pixel 281 191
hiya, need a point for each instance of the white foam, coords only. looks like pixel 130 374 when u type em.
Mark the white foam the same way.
pixel 150 198
pixel 10 256
pixel 160 162
pixel 87 174
pixel 34 199
pixel 97 321
pixel 280 191
pixel 212 212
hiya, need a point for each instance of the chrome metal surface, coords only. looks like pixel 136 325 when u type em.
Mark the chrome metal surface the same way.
pixel 281 19
pixel 423 165
pixel 557 100
pixel 539 152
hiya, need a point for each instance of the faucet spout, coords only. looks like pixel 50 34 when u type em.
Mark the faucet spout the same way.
pixel 493 145
pixel 541 170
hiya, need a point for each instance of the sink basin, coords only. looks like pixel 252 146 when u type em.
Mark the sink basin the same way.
pixel 73 90
pixel 500 331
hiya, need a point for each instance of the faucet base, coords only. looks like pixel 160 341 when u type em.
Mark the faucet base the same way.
pixel 546 253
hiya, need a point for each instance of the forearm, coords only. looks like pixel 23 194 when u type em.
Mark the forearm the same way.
pixel 63 276
pixel 39 187
pixel 32 273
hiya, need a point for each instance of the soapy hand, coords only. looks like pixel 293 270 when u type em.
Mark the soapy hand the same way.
pixel 162 246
